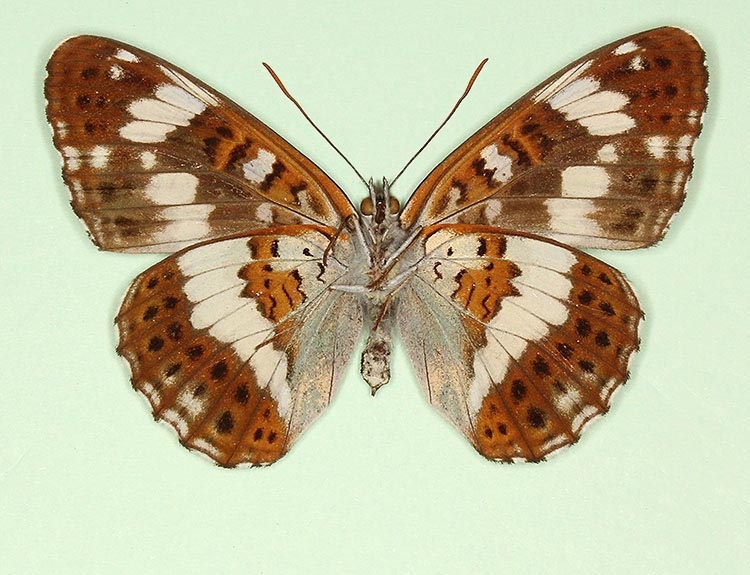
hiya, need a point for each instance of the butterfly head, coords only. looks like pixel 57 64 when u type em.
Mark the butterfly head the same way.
pixel 380 204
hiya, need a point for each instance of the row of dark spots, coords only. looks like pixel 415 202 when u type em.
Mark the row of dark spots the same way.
pixel 583 329
pixel 173 332
pixel 535 416
pixel 602 277
pixel 84 101
pixel 654 92
pixel 501 427
pixel 586 298
pixel 153 281
pixel 225 425
pixel 606 307
pixel 241 393
pixel 128 76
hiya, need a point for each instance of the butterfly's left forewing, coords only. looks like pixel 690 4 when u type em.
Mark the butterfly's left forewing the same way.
pixel 596 156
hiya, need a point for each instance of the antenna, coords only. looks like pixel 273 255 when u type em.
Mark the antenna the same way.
pixel 299 107
pixel 448 117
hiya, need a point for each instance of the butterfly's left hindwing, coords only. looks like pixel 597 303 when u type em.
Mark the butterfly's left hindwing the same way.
pixel 239 344
pixel 156 160
pixel 519 341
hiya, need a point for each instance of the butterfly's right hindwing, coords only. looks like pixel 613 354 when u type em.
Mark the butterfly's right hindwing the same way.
pixel 239 344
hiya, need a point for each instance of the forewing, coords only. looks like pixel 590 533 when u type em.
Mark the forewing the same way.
pixel 517 340
pixel 239 344
pixel 156 160
pixel 596 156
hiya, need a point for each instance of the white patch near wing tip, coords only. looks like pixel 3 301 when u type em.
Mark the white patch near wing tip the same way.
pixel 116 72
pixel 180 98
pixel 636 63
pixel 71 157
pixel 159 110
pixel 625 48
pixel 684 147
pixel 126 56
pixel 596 111
pixel 190 86
pixel 656 146
pixel 99 157
pixel 564 80
pixel 574 91
pixel 594 104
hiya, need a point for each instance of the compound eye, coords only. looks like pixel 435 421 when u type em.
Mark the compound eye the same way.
pixel 366 207
pixel 393 205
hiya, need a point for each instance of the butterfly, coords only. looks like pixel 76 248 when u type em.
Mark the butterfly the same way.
pixel 239 339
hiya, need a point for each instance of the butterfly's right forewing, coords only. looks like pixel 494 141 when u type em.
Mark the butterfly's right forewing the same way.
pixel 156 160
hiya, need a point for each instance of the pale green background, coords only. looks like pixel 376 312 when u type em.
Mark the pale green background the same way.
pixel 90 484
